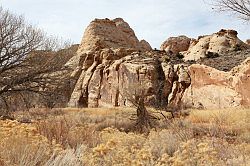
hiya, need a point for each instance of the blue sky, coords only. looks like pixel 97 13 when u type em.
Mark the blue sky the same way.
pixel 152 20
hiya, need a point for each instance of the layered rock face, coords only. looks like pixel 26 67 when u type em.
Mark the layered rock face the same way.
pixel 112 66
pixel 211 88
pixel 107 82
pixel 221 42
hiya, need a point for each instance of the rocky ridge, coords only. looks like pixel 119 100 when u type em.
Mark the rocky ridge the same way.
pixel 218 43
pixel 112 64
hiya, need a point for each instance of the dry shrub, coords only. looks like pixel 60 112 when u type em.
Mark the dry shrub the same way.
pixel 120 124
pixel 25 154
pixel 85 138
pixel 119 148
pixel 38 114
pixel 209 152
pixel 231 124
pixel 54 130
pixel 20 144
pixel 224 116
pixel 68 157
pixel 162 142
pixel 68 132
pixel 102 119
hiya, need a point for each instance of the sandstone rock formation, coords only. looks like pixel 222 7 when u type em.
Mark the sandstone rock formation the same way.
pixel 174 45
pixel 111 82
pixel 105 33
pixel 112 65
pixel 211 88
pixel 221 42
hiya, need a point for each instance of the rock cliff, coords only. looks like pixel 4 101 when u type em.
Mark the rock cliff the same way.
pixel 106 82
pixel 211 88
pixel 112 65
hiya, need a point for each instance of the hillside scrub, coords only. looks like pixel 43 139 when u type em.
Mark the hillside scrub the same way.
pixel 106 137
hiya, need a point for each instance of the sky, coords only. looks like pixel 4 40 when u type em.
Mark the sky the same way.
pixel 152 20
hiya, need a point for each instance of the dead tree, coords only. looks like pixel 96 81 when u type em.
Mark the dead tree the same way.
pixel 144 120
pixel 240 8
pixel 29 62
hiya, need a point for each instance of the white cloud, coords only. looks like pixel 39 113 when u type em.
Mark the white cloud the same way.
pixel 153 20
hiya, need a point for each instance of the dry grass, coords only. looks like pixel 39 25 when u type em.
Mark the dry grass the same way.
pixel 105 137
pixel 229 123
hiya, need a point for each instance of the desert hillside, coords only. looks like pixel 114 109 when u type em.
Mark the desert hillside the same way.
pixel 114 99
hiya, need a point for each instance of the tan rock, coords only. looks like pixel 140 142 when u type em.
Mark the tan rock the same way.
pixel 211 88
pixel 105 33
pixel 112 66
pixel 113 82
pixel 248 41
pixel 221 42
pixel 174 45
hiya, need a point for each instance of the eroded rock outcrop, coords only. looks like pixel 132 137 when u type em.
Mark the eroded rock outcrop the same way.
pixel 174 45
pixel 111 82
pixel 112 65
pixel 211 88
pixel 221 42
pixel 105 33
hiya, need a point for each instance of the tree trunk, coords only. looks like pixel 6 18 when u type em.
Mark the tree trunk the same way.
pixel 143 123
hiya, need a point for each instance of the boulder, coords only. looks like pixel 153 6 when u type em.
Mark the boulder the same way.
pixel 174 45
pixel 248 41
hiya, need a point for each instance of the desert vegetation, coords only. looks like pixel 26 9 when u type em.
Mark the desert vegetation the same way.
pixel 109 137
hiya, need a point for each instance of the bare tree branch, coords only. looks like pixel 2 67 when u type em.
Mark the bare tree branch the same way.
pixel 240 8
pixel 29 60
